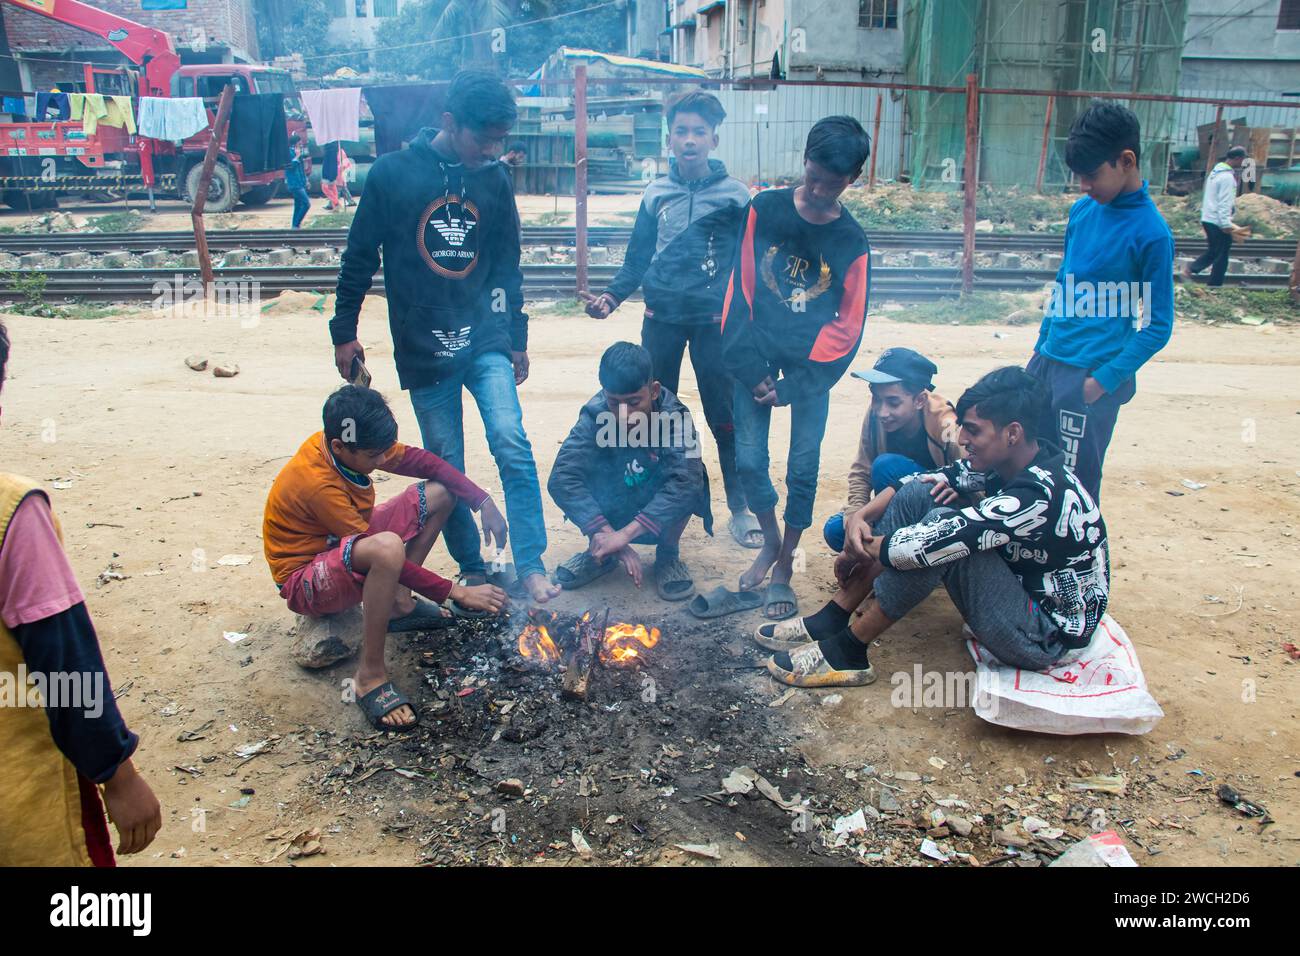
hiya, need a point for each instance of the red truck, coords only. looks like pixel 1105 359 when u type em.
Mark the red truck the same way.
pixel 43 160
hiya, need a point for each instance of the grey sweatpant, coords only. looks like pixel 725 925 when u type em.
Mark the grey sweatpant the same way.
pixel 1005 618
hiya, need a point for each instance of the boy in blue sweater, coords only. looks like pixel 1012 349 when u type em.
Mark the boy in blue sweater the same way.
pixel 1112 305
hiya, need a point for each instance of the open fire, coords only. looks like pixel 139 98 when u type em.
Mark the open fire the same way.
pixel 576 647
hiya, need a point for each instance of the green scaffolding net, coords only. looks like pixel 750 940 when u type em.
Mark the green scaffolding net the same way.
pixel 1114 47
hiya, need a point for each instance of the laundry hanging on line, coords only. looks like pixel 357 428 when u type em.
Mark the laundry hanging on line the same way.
pixel 334 114
pixel 259 132
pixel 59 101
pixel 96 109
pixel 172 118
pixel 402 111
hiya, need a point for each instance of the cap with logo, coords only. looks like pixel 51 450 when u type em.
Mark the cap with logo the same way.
pixel 901 366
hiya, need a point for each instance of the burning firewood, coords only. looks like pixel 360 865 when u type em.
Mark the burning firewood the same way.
pixel 582 652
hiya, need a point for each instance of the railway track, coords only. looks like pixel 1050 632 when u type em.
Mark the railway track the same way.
pixel 264 239
pixel 540 281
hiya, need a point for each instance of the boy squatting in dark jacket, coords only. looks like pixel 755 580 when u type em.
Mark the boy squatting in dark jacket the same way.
pixel 630 472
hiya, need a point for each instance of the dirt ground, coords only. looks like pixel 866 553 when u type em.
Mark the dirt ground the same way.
pixel 168 472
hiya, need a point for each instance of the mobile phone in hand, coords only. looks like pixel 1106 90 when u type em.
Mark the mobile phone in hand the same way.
pixel 360 374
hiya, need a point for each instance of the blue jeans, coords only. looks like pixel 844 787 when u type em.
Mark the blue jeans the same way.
pixel 885 470
pixel 807 428
pixel 301 203
pixel 439 409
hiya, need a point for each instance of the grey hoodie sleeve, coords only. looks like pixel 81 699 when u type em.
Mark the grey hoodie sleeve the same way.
pixel 640 253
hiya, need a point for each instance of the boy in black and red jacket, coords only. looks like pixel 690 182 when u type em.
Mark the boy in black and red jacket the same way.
pixel 792 322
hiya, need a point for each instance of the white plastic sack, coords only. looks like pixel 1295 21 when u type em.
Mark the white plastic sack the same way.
pixel 1098 689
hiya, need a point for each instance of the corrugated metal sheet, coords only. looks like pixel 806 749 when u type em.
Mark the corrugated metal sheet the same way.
pixel 1188 116
pixel 768 145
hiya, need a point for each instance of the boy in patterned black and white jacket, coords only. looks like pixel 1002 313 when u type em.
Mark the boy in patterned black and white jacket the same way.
pixel 1027 566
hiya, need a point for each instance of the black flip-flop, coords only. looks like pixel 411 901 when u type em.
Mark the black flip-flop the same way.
pixel 381 702
pixel 581 569
pixel 720 602
pixel 427 616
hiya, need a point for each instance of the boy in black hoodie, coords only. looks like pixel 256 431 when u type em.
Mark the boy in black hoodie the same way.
pixel 792 322
pixel 680 255
pixel 443 212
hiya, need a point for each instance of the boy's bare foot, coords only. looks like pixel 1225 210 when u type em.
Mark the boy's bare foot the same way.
pixel 782 572
pixel 763 562
pixel 403 716
pixel 539 588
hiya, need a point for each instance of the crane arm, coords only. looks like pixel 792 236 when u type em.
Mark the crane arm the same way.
pixel 138 43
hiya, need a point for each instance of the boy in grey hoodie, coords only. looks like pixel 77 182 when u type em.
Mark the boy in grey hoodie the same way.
pixel 680 256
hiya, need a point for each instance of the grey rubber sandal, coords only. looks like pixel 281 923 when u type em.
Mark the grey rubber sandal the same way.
pixel 742 526
pixel 581 569
pixel 674 572
pixel 720 602
pixel 779 594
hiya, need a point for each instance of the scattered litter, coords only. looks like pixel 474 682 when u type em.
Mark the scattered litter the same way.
pixel 580 844
pixel 234 560
pixel 931 849
pixel 234 637
pixel 1100 849
pixel 1243 806
pixel 783 698
pixel 708 851
pixel 938 763
pixel 832 700
pixel 245 751
pixel 855 822
pixel 910 776
pixel 61 485
pixel 1193 485
pixel 740 780
pixel 111 573
pixel 241 802
pixel 1104 784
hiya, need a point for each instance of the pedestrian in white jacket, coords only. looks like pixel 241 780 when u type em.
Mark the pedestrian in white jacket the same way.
pixel 1217 208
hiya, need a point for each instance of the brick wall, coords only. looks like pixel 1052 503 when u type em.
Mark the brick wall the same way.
pixel 229 22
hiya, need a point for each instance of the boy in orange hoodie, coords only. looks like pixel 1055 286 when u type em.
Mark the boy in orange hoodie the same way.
pixel 331 548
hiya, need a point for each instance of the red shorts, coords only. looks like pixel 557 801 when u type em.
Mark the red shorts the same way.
pixel 327 584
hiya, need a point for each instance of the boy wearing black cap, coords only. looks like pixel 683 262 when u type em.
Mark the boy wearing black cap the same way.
pixel 908 428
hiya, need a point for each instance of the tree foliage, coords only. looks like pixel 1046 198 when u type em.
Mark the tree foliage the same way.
pixel 512 36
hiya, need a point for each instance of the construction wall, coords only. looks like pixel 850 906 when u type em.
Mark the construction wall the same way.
pixel 228 22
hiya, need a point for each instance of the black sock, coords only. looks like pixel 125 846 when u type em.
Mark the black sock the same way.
pixel 844 652
pixel 829 620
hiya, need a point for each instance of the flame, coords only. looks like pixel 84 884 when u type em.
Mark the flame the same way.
pixel 536 645
pixel 624 643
